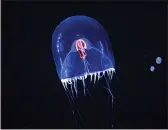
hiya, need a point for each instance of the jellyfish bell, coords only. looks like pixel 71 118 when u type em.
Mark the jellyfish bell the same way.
pixel 81 48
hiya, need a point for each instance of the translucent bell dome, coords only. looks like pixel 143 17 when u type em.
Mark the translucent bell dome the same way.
pixel 81 47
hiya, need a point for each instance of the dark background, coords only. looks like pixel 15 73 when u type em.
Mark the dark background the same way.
pixel 32 94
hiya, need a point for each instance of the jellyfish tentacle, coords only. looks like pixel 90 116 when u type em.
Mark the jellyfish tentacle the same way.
pixel 73 106
pixel 109 90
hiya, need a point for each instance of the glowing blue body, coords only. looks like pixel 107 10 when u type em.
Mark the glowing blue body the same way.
pixel 99 55
pixel 158 60
pixel 81 48
pixel 152 68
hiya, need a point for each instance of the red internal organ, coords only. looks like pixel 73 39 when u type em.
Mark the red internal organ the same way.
pixel 80 47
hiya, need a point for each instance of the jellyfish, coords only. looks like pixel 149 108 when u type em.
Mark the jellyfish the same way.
pixel 81 48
